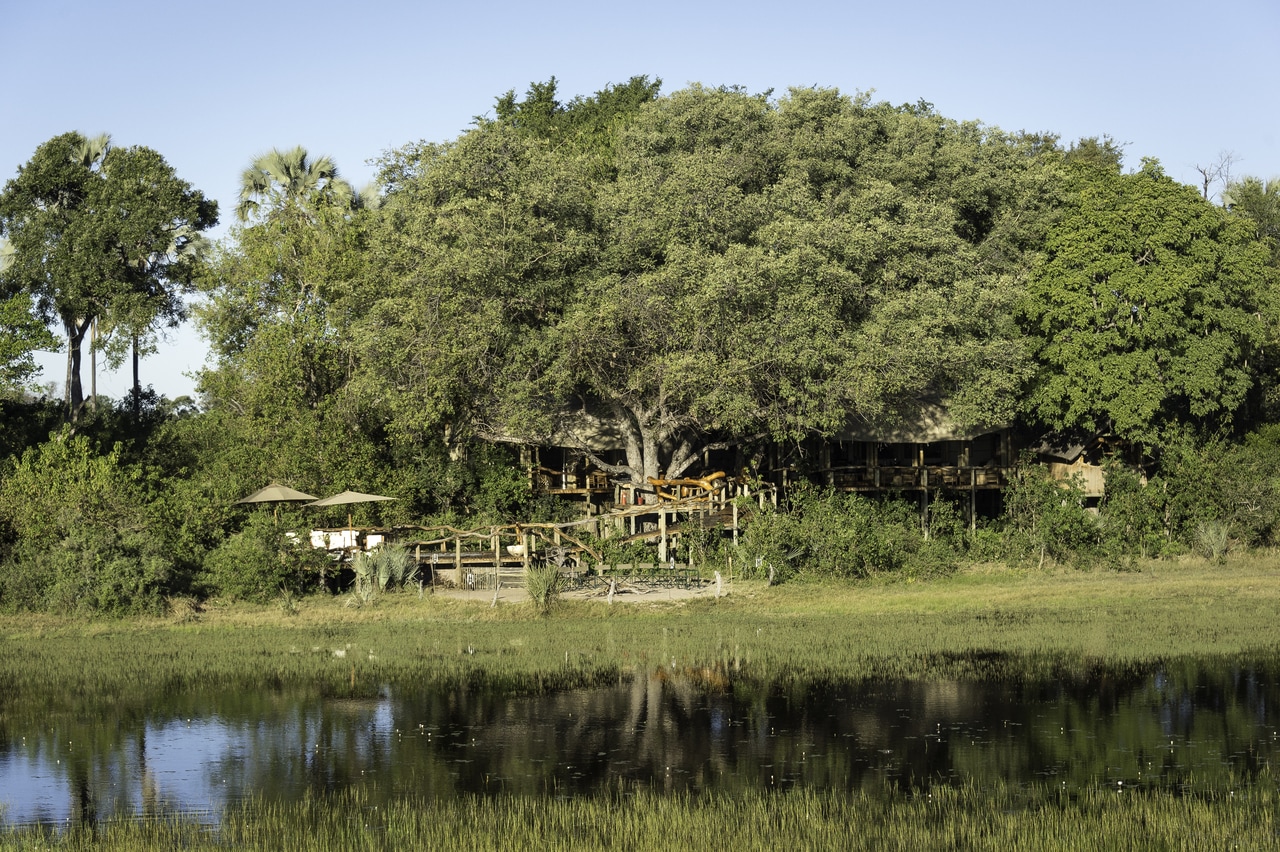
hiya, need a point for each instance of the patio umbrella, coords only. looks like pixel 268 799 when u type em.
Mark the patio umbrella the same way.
pixel 346 498
pixel 276 493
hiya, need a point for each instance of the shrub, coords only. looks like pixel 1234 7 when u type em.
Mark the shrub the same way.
pixel 261 561
pixel 393 567
pixel 1132 515
pixel 543 584
pixel 81 538
pixel 1213 539
pixel 1047 518
pixel 844 535
pixel 1235 483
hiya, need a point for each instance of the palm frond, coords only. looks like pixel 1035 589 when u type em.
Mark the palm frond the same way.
pixel 291 177
pixel 93 150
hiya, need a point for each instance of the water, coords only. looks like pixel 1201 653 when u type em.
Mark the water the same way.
pixel 1183 726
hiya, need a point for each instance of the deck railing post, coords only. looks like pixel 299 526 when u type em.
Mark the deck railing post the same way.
pixel 662 530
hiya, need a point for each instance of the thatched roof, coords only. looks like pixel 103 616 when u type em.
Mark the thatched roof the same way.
pixel 930 423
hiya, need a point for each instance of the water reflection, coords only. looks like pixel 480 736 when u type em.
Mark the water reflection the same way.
pixel 1207 724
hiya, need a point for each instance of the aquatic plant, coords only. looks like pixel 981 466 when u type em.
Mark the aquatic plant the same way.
pixel 625 817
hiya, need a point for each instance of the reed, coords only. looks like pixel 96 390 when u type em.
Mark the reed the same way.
pixel 984 623
pixel 965 817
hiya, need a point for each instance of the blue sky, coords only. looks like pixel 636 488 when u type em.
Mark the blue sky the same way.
pixel 210 86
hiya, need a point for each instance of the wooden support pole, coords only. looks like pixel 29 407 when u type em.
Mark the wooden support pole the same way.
pixel 735 524
pixel 973 500
pixel 457 554
pixel 924 510
pixel 662 531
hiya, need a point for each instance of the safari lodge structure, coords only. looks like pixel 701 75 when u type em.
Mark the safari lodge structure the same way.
pixel 923 462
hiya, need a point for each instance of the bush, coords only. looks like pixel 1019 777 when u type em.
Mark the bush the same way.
pixel 81 537
pixel 1234 483
pixel 90 570
pixel 263 560
pixel 702 544
pixel 986 542
pixel 382 569
pixel 1047 518
pixel 824 533
pixel 1213 539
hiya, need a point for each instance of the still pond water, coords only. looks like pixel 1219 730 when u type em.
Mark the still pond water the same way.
pixel 1188 724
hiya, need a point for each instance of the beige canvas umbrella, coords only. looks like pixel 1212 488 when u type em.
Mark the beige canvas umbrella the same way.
pixel 276 493
pixel 346 498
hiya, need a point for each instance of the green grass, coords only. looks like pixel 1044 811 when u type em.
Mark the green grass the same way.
pixel 846 631
pixel 942 818
pixel 988 623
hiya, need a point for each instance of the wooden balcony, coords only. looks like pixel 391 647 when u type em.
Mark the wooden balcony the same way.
pixel 870 478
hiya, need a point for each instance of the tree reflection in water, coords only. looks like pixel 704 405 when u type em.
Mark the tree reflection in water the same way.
pixel 1211 720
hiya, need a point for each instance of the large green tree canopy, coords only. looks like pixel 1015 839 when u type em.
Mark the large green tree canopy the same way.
pixel 101 233
pixel 1146 308
pixel 274 320
pixel 1259 201
pixel 724 265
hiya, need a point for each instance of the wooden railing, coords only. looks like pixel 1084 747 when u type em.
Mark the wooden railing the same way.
pixel 889 477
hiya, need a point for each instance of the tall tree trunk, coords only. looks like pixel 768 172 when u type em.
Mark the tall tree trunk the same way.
pixel 76 330
pixel 93 365
pixel 137 386
pixel 66 384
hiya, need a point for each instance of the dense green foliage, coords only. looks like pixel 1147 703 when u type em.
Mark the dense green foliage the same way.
pixel 1146 309
pixel 727 265
pixel 101 233
pixel 84 541
pixel 21 335
pixel 681 273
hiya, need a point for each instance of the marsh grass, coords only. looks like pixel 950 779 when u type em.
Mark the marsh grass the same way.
pixel 965 817
pixel 986 623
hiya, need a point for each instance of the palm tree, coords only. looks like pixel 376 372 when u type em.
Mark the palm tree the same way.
pixel 89 155
pixel 283 180
pixel 92 150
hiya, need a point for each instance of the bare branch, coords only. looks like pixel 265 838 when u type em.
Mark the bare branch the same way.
pixel 1217 172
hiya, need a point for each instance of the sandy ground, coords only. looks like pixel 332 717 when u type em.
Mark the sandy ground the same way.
pixel 626 593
